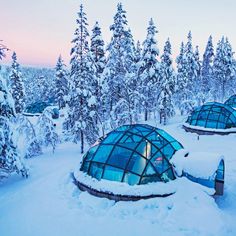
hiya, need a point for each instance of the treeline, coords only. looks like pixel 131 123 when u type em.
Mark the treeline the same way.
pixel 126 82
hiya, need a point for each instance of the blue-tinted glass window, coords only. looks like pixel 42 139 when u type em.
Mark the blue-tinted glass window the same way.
pixel 136 164
pixel 96 170
pixel 131 179
pixel 103 153
pixel 112 173
pixel 119 157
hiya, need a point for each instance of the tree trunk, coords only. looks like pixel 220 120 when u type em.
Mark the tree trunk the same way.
pixel 146 115
pixel 82 141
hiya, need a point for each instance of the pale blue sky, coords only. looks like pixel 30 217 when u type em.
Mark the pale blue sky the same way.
pixel 39 30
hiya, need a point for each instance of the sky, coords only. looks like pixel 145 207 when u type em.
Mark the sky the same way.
pixel 40 30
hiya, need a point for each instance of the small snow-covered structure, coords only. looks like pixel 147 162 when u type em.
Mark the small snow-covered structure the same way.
pixel 130 155
pixel 212 118
pixel 231 101
pixel 140 161
pixel 201 167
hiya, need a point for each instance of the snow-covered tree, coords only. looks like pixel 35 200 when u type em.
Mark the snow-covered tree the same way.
pixel 138 52
pixel 81 117
pixel 10 160
pixel 17 85
pixel 3 50
pixel 46 130
pixel 26 136
pixel 167 75
pixel 61 83
pixel 98 56
pixel 113 78
pixel 206 71
pixel 223 70
pixel 97 49
pixel 187 77
pixel 149 72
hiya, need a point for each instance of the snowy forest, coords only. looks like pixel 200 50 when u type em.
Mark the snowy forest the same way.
pixel 106 86
pixel 55 121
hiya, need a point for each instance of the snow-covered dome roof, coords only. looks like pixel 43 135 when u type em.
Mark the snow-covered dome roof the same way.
pixel 231 101
pixel 133 154
pixel 213 115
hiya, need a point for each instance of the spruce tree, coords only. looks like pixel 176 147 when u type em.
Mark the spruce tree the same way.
pixel 61 83
pixel 81 117
pixel 17 85
pixel 149 72
pixel 206 71
pixel 223 70
pixel 167 74
pixel 114 74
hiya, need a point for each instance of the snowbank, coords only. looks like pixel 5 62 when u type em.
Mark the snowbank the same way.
pixel 198 164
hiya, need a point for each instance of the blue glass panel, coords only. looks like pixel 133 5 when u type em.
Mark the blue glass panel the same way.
pixel 149 170
pixel 168 151
pixel 131 179
pixel 141 148
pixel 119 157
pixel 213 116
pixel 96 170
pixel 222 118
pixel 91 152
pixel 102 153
pixel 113 137
pixel 159 163
pixel 166 135
pixel 136 164
pixel 211 124
pixel 221 125
pixel 220 171
pixel 176 145
pixel 85 166
pixel 201 123
pixel 112 173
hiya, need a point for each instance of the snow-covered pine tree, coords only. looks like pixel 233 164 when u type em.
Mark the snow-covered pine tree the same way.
pixel 167 75
pixel 138 52
pixel 223 70
pixel 113 78
pixel 98 56
pixel 3 49
pixel 206 70
pixel 197 83
pixel 10 160
pixel 81 117
pixel 17 85
pixel 149 72
pixel 97 49
pixel 61 83
pixel 187 68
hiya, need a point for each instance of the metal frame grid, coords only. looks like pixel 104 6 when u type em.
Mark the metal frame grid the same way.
pixel 231 101
pixel 160 146
pixel 213 115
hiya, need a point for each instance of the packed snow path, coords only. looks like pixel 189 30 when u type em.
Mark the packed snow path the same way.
pixel 49 204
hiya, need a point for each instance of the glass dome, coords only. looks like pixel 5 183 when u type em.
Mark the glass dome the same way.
pixel 231 101
pixel 213 115
pixel 134 154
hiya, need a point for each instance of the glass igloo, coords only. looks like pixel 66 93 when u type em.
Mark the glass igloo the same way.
pixel 213 115
pixel 134 154
pixel 231 101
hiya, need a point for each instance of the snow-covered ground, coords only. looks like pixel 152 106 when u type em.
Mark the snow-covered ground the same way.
pixel 47 203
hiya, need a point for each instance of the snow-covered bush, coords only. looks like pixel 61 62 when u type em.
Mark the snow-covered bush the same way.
pixel 46 130
pixel 26 137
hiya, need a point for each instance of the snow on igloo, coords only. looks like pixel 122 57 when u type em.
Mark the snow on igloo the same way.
pixel 132 162
pixel 212 118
